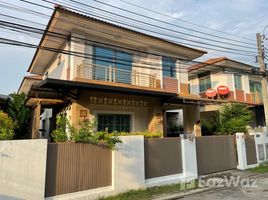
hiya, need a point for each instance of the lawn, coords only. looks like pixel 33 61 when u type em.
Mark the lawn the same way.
pixel 260 169
pixel 150 193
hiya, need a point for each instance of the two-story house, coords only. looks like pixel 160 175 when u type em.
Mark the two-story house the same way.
pixel 124 79
pixel 236 78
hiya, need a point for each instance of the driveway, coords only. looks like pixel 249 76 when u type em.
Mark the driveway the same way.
pixel 233 193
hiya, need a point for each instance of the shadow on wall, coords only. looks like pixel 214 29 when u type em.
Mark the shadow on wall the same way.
pixel 5 197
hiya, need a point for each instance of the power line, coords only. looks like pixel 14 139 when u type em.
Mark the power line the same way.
pixel 172 24
pixel 89 56
pixel 225 51
pixel 21 27
pixel 181 20
pixel 143 22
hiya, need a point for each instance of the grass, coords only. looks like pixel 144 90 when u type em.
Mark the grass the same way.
pixel 260 169
pixel 150 193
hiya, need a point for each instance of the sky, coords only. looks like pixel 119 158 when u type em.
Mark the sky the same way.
pixel 239 18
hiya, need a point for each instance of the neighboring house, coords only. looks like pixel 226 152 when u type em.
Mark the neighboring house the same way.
pixel 243 86
pixel 113 77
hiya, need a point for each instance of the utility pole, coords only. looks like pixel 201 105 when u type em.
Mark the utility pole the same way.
pixel 264 79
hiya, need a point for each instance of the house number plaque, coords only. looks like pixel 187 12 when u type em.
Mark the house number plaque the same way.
pixel 118 102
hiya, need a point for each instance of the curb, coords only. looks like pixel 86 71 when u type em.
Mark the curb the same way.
pixel 184 194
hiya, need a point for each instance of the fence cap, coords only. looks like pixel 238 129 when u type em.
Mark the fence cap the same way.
pixel 187 136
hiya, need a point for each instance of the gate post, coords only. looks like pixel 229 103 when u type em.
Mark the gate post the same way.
pixel 188 151
pixel 241 151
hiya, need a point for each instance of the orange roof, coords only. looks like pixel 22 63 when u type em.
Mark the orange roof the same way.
pixel 207 62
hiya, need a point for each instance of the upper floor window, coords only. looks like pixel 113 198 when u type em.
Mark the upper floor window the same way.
pixel 255 87
pixel 238 82
pixel 204 81
pixel 169 67
pixel 112 65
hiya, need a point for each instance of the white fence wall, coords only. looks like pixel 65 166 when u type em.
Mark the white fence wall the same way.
pixel 129 170
pixel 22 169
pixel 261 141
pixel 261 144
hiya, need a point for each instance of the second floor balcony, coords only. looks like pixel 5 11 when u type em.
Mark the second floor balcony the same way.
pixel 116 76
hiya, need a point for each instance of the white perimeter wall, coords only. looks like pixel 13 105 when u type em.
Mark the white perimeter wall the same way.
pixel 22 169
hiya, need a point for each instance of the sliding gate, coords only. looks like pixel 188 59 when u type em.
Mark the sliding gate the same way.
pixel 215 154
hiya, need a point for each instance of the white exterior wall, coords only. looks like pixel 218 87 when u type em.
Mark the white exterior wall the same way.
pixel 59 71
pixel 23 169
pixel 221 78
pixel 144 63
pixel 194 85
pixel 245 82
pixel 77 45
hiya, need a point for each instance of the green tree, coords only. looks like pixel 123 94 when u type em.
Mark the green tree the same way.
pixel 234 117
pixel 7 126
pixel 20 114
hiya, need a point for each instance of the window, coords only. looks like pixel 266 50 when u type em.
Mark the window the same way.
pixel 169 67
pixel 238 82
pixel 114 122
pixel 256 89
pixel 106 59
pixel 204 81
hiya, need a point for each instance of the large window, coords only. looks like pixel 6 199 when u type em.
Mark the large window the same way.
pixel 238 82
pixel 204 81
pixel 112 65
pixel 114 122
pixel 169 67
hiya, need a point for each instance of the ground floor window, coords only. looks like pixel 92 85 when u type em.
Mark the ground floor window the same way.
pixel 114 122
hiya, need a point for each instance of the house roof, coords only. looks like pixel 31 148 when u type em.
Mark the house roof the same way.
pixel 27 83
pixel 214 63
pixel 57 20
pixel 3 96
pixel 210 61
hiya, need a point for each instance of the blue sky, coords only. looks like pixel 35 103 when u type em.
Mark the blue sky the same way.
pixel 238 17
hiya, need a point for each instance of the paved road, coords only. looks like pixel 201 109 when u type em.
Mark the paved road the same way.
pixel 237 193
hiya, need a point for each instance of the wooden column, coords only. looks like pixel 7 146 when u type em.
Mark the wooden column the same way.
pixel 164 115
pixel 36 121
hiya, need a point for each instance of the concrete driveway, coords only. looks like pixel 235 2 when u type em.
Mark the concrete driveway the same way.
pixel 233 193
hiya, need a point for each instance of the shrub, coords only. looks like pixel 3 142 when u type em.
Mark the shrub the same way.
pixel 7 126
pixel 146 134
pixel 107 139
pixel 87 133
pixel 210 126
pixel 60 134
pixel 234 118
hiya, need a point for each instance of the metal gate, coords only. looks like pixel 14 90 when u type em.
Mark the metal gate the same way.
pixel 215 154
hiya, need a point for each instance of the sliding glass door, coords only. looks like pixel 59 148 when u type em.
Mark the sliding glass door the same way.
pixel 112 65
